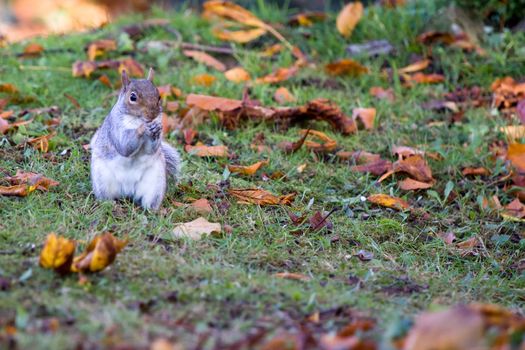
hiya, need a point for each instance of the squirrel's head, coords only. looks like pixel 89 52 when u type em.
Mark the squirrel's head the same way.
pixel 140 97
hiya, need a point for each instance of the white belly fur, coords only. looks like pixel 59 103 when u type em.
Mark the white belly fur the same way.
pixel 128 173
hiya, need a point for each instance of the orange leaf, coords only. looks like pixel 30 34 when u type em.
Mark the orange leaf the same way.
pixel 238 36
pixel 416 167
pixel 480 171
pixel 376 167
pixel 306 19
pixel 39 181
pixel 204 79
pixel 237 75
pixel 205 58
pixel 100 47
pixel 346 67
pixel 382 94
pixel 272 50
pixel 385 200
pixel 366 115
pixel 292 276
pixel 432 37
pixel 414 67
pixel 41 143
pixel 260 197
pixel 16 190
pixel 164 90
pixel 57 253
pixel 105 80
pixel 207 151
pixel 132 67
pixel 409 184
pixel 8 88
pixel 421 78
pixel 291 147
pixel 328 144
pixel 212 103
pixel 32 50
pixel 281 74
pixel 72 100
pixel 516 155
pixel 247 170
pixel 282 95
pixel 348 18
pixel 83 68
pixel 202 206
pixel 99 254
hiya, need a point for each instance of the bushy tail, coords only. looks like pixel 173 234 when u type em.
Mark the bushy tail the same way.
pixel 173 162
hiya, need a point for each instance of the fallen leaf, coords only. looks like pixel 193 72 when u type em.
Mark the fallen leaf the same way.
pixel 469 244
pixel 272 50
pixel 237 75
pixel 291 147
pixel 279 75
pixel 83 68
pixel 385 200
pixel 292 276
pixel 168 124
pixel 105 80
pixel 513 132
pixel 260 197
pixel 366 115
pixel 346 67
pixel 207 151
pixel 455 328
pixel 39 181
pixel 282 95
pixel 32 50
pixel 516 156
pixel 132 67
pixel 306 19
pixel 382 94
pixel 189 135
pixel 409 184
pixel 205 58
pixel 164 91
pixel 8 88
pixel 327 144
pixel 202 206
pixel 414 67
pixel 100 47
pixel 212 103
pixel 247 170
pixel 196 229
pixel 204 79
pixel 238 36
pixel 99 254
pixel 480 171
pixel 57 253
pixel 376 167
pixel 72 100
pixel 514 209
pixel 432 37
pixel 41 143
pixel 348 18
pixel 172 106
pixel 415 166
pixel 16 190
pixel 448 237
pixel 421 78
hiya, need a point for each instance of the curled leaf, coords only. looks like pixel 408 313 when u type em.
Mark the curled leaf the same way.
pixel 247 170
pixel 385 200
pixel 348 18
pixel 366 115
pixel 100 253
pixel 260 197
pixel 57 253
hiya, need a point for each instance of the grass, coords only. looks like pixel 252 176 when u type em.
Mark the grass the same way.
pixel 220 289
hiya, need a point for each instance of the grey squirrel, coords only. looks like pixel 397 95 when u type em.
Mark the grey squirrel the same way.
pixel 129 158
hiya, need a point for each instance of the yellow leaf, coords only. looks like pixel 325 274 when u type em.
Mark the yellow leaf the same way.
pixel 247 170
pixel 385 200
pixel 348 18
pixel 99 254
pixel 57 253
pixel 237 75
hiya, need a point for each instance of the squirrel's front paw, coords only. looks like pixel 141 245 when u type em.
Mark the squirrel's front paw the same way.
pixel 153 129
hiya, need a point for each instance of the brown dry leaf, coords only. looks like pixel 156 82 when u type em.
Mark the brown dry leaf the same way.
pixel 456 328
pixel 72 100
pixel 327 143
pixel 414 67
pixel 429 38
pixel 376 167
pixel 409 184
pixel 33 50
pixel 39 181
pixel 507 92
pixel 41 143
pixel 196 229
pixel 132 67
pixel 8 88
pixel 247 170
pixel 415 166
pixel 480 171
pixel 100 47
pixel 469 244
pixel 282 95
pixel 202 206
pixel 291 147
pixel 280 75
pixel 207 151
pixel 348 18
pixel 204 79
pixel 516 156
pixel 164 91
pixel 105 80
pixel 385 200
pixel 16 190
pixel 346 67
pixel 168 123
pixel 307 19
pixel 405 151
pixel 212 103
pixel 172 106
pixel 448 237
pixel 393 3
pixel 292 276
pixel 237 75
pixel 366 115
pixel 99 254
pixel 272 50
pixel 83 68
pixel 260 197
pixel 514 210
pixel 57 253
pixel 382 94
pixel 238 36
pixel 421 78
pixel 203 57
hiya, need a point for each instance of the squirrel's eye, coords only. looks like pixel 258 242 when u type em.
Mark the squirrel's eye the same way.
pixel 133 97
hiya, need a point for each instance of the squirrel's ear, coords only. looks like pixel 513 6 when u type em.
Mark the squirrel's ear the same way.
pixel 150 74
pixel 125 79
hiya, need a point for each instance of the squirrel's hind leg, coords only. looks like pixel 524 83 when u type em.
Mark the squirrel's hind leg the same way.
pixel 105 186
pixel 152 187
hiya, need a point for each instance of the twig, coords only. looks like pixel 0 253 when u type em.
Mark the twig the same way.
pixel 216 49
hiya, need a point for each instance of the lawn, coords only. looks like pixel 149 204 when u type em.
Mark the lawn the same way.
pixel 222 291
